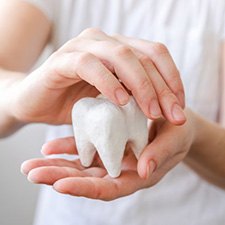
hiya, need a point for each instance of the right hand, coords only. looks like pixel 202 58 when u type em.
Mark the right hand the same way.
pixel 162 153
pixel 94 62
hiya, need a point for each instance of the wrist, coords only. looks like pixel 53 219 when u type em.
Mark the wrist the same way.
pixel 195 126
pixel 9 98
pixel 201 129
pixel 8 122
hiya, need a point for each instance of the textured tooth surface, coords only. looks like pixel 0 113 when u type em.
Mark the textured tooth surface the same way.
pixel 100 125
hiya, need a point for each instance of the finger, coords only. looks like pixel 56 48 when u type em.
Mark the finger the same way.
pixel 60 146
pixel 101 188
pixel 167 166
pixel 162 148
pixel 31 164
pixel 161 57
pixel 168 101
pixel 123 62
pixel 117 57
pixel 129 70
pixel 76 66
pixel 50 174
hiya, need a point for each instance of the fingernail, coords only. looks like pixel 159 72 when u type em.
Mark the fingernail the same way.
pixel 23 171
pixel 181 98
pixel 150 168
pixel 22 168
pixel 31 178
pixel 43 149
pixel 178 113
pixel 122 96
pixel 154 109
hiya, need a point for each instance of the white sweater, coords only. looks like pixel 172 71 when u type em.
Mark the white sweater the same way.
pixel 193 31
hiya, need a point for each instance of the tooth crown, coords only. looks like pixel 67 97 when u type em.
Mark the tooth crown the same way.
pixel 100 125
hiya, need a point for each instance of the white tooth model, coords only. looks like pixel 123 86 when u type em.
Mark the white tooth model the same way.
pixel 100 125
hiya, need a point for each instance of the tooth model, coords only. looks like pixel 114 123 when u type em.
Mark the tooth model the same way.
pixel 99 125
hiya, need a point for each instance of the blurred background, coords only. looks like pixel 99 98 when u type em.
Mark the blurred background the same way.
pixel 17 196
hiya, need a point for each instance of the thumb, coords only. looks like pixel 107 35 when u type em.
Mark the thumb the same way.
pixel 158 151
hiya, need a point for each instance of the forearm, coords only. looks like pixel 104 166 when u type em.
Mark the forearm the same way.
pixel 207 153
pixel 25 31
pixel 8 123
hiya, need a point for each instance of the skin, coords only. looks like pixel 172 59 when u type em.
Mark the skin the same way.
pixel 81 67
pixel 70 177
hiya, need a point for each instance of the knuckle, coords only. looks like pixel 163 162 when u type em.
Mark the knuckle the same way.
pixel 145 60
pixel 122 51
pixel 102 80
pixel 144 84
pixel 165 154
pixel 159 49
pixel 84 58
pixel 90 31
pixel 174 82
pixel 164 93
pixel 161 156
pixel 105 44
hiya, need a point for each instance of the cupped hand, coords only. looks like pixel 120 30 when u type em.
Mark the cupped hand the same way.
pixel 168 145
pixel 95 62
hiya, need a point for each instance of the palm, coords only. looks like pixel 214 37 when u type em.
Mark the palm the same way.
pixel 92 182
pixel 70 177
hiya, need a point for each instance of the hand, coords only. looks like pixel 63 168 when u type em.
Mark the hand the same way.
pixel 168 145
pixel 94 62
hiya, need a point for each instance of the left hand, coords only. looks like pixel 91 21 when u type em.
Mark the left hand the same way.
pixel 94 63
pixel 168 145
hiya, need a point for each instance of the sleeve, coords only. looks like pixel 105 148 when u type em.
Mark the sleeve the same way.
pixel 46 6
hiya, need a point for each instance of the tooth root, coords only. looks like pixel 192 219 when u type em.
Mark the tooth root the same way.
pixel 114 169
pixel 111 156
pixel 86 152
pixel 136 150
pixel 115 126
